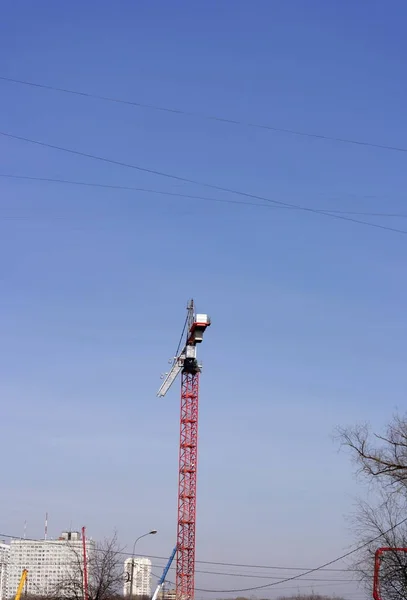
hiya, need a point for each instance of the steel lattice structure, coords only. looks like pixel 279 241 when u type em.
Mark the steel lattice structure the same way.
pixel 188 456
pixel 186 363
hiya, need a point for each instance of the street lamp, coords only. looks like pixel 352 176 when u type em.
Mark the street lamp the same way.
pixel 152 532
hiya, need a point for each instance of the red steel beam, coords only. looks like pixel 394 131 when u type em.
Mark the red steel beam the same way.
pixel 188 455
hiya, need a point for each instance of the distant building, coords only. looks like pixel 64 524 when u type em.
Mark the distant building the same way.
pixel 4 566
pixel 167 594
pixel 49 563
pixel 141 577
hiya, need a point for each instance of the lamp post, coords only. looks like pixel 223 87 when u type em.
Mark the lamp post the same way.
pixel 152 532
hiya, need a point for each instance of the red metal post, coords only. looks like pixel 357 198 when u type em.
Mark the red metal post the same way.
pixel 188 455
pixel 377 563
pixel 85 566
pixel 376 592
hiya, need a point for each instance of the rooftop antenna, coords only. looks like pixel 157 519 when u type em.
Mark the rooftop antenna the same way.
pixel 25 528
pixel 46 526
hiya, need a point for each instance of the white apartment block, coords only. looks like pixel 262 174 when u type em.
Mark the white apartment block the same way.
pixel 141 577
pixel 48 562
pixel 4 564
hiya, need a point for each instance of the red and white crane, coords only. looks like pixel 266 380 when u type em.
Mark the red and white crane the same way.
pixel 186 363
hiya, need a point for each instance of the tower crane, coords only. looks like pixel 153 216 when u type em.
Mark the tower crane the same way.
pixel 186 363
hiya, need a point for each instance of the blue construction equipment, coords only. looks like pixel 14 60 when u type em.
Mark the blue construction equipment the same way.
pixel 164 575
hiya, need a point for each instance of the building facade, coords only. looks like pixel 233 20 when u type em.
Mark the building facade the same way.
pixel 167 594
pixel 141 577
pixel 52 564
pixel 4 567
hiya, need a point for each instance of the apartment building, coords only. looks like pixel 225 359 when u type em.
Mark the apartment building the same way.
pixel 4 566
pixel 141 577
pixel 50 563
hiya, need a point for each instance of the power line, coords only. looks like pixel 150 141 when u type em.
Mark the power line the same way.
pixel 203 572
pixel 265 576
pixel 200 183
pixel 309 571
pixel 203 116
pixel 190 196
pixel 69 563
pixel 165 558
pixel 331 583
pixel 244 575
pixel 287 579
pixel 124 553
pixel 207 562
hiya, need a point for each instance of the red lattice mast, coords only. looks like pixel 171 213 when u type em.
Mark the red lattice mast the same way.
pixel 186 362
pixel 188 456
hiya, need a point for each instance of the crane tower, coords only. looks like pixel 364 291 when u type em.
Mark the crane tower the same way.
pixel 186 363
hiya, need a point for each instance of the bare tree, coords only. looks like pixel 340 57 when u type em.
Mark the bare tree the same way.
pixel 381 522
pixel 105 573
pixel 380 457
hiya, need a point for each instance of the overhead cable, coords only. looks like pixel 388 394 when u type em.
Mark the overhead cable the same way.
pixel 309 571
pixel 279 582
pixel 197 182
pixel 190 196
pixel 224 120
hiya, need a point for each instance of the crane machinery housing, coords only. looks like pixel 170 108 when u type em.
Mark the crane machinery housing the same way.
pixel 186 363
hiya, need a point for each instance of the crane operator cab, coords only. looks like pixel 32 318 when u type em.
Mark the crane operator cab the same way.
pixel 201 322
pixel 186 361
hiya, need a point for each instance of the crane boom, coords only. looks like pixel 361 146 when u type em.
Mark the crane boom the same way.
pixel 164 575
pixel 21 584
pixel 187 364
pixel 171 376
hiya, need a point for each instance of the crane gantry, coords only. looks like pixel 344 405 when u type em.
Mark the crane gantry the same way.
pixel 186 363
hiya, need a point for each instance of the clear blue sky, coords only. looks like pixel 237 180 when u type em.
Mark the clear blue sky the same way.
pixel 308 312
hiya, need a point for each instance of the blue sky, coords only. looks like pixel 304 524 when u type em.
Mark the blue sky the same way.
pixel 308 312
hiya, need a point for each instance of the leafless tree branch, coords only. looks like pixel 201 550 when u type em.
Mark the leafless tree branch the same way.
pixel 105 573
pixel 378 456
